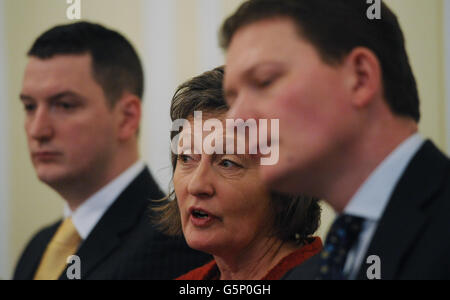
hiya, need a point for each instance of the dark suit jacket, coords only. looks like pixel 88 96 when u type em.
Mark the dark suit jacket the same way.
pixel 413 235
pixel 123 244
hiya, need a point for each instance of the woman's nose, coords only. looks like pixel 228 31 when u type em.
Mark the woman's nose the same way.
pixel 202 182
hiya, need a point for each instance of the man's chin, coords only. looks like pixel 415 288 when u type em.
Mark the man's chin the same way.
pixel 52 177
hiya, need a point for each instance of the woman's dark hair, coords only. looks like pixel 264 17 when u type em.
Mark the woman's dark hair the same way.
pixel 295 218
pixel 335 28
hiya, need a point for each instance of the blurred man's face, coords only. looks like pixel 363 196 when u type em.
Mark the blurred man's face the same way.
pixel 272 73
pixel 71 131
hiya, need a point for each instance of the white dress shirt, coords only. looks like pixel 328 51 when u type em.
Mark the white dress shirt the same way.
pixel 92 210
pixel 373 196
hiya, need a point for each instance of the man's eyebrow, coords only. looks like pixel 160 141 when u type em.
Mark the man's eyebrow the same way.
pixel 248 73
pixel 24 97
pixel 230 92
pixel 60 95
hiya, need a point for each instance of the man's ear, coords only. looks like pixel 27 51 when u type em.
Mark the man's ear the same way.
pixel 129 109
pixel 366 76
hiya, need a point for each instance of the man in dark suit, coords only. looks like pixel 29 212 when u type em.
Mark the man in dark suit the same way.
pixel 340 83
pixel 82 94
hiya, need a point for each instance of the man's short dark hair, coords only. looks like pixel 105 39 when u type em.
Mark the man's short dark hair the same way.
pixel 335 28
pixel 115 63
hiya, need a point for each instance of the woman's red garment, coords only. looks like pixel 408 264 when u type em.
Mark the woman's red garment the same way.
pixel 211 272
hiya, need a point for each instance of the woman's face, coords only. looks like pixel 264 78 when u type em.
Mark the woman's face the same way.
pixel 224 206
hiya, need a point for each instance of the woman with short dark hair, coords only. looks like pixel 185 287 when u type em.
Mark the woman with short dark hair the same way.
pixel 222 207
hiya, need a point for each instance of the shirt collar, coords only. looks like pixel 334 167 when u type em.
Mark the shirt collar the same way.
pixel 373 196
pixel 90 212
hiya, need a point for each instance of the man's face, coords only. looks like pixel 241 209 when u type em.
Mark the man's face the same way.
pixel 71 131
pixel 272 73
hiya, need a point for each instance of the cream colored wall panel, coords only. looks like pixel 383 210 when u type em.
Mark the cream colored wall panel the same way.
pixel 120 15
pixel 31 205
pixel 447 68
pixel 422 23
pixel 230 6
pixel 4 154
pixel 187 40
pixel 209 21
pixel 159 20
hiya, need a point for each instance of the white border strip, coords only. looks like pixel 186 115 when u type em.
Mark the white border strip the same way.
pixel 447 70
pixel 4 125
pixel 160 72
pixel 210 19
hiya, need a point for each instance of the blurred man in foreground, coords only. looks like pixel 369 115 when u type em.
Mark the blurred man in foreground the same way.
pixel 343 89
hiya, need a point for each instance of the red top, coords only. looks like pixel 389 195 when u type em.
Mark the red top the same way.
pixel 211 272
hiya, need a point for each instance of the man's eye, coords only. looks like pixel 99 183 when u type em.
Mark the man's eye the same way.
pixel 267 79
pixel 29 107
pixel 65 106
pixel 264 83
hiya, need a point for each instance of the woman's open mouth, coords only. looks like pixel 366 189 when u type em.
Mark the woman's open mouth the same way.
pixel 201 218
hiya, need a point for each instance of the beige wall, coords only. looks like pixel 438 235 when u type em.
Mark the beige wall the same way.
pixel 4 153
pixel 33 205
pixel 422 22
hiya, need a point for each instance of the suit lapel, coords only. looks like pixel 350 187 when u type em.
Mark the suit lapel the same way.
pixel 121 217
pixel 306 271
pixel 406 213
pixel 31 262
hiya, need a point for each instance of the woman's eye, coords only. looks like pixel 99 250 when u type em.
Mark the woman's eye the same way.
pixel 184 158
pixel 229 164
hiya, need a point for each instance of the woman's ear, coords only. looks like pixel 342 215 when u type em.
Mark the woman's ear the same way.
pixel 366 76
pixel 130 110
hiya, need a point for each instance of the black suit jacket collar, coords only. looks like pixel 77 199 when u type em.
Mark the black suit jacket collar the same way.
pixel 406 212
pixel 406 215
pixel 29 263
pixel 120 218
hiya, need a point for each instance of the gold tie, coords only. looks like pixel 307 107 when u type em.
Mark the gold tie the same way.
pixel 65 243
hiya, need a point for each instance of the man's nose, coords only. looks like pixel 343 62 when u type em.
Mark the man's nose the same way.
pixel 242 108
pixel 201 184
pixel 40 125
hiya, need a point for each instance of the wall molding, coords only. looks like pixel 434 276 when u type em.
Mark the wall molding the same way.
pixel 4 125
pixel 159 30
pixel 209 16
